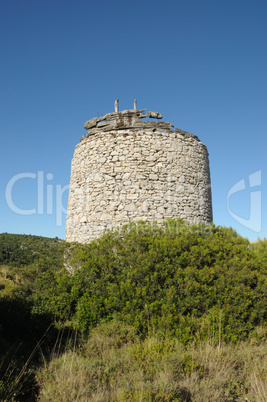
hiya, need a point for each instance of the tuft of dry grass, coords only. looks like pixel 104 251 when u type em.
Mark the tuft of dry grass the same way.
pixel 8 281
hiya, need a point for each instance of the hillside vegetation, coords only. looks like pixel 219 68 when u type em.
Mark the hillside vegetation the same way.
pixel 20 250
pixel 172 313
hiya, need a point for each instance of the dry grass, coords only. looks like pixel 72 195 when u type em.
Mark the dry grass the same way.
pixel 114 365
pixel 8 283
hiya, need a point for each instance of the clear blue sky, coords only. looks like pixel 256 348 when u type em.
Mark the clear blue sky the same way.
pixel 203 64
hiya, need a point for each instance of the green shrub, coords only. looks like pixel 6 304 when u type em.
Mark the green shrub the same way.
pixel 191 282
pixel 260 248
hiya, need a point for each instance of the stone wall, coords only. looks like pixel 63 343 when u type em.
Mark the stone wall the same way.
pixel 136 171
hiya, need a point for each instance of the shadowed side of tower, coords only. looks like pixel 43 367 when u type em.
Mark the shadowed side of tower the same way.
pixel 128 169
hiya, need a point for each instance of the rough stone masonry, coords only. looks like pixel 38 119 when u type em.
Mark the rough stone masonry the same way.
pixel 127 169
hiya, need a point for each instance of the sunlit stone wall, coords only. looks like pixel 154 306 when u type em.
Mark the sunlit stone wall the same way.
pixel 143 171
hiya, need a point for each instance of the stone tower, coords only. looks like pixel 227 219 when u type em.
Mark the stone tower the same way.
pixel 127 169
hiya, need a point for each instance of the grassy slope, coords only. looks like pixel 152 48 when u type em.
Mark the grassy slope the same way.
pixel 20 332
pixel 114 365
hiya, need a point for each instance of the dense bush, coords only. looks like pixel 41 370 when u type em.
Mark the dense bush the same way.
pixel 191 282
pixel 260 248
